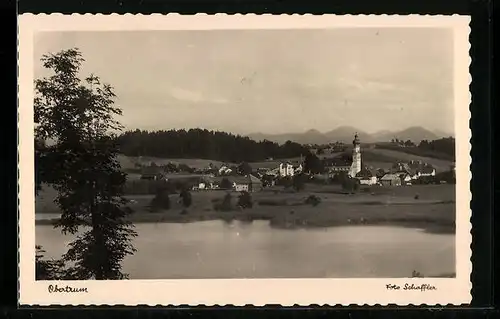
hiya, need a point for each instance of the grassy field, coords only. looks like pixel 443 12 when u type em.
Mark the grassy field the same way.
pixel 433 211
pixel 391 156
pixel 375 157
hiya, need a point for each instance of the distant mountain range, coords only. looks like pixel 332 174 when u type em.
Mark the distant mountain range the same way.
pixel 345 134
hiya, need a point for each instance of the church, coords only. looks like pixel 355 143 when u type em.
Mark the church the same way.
pixel 345 163
pixel 356 157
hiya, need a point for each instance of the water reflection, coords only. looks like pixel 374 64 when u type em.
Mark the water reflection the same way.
pixel 241 249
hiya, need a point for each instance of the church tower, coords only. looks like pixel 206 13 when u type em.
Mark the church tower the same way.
pixel 356 157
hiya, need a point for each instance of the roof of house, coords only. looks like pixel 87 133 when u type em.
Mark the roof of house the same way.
pixel 336 161
pixel 428 170
pixel 389 177
pixel 365 173
pixel 254 179
pixel 239 179
pixel 151 170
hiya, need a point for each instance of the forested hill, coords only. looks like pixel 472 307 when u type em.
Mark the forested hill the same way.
pixel 204 144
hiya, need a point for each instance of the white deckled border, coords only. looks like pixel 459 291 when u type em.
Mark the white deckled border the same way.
pixel 239 292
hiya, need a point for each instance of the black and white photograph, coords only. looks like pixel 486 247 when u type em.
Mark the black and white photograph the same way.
pixel 259 153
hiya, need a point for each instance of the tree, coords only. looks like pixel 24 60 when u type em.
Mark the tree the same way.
pixel 226 203
pixel 313 164
pixel 245 200
pixel 299 182
pixel 267 180
pixel 161 201
pixel 47 269
pixel 186 197
pixel 225 184
pixel 351 185
pixel 78 116
pixel 244 169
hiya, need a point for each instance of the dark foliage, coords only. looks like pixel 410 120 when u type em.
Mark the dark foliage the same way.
pixel 199 143
pixel 244 169
pixel 245 200
pixel 81 164
pixel 186 197
pixel 299 182
pixel 47 269
pixel 225 183
pixel 351 185
pixel 313 200
pixel 161 201
pixel 313 165
pixel 286 182
pixel 226 204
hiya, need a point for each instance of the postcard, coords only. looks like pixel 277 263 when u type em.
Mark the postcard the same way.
pixel 244 160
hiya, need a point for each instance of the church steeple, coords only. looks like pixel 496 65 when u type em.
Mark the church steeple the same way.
pixel 356 139
pixel 356 157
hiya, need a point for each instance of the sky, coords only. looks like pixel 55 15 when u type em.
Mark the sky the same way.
pixel 270 81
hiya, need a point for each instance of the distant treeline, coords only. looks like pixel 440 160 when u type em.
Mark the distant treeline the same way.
pixel 205 144
pixel 443 148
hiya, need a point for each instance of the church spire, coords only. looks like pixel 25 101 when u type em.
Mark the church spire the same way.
pixel 356 139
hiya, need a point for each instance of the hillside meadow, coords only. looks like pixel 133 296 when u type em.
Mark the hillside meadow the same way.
pixel 376 157
pixel 434 210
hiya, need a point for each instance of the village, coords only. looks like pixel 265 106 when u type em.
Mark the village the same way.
pixel 251 177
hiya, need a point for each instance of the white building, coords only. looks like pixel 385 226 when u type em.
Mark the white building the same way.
pixel 224 170
pixel 356 157
pixel 368 180
pixel 286 169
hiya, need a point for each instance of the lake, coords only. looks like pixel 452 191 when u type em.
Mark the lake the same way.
pixel 216 249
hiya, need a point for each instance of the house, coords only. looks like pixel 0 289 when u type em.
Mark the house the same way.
pixel 367 177
pixel 224 170
pixel 390 180
pixel 406 178
pixel 255 183
pixel 428 170
pixel 248 183
pixel 151 173
pixel 286 169
pixel 372 180
pixel 337 164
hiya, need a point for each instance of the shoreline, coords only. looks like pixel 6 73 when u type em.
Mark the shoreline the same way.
pixel 289 221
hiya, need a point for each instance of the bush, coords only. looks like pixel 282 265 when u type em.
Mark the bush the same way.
pixel 47 269
pixel 286 182
pixel 245 200
pixel 225 184
pixel 186 198
pixel 226 205
pixel 161 201
pixel 351 185
pixel 313 200
pixel 299 182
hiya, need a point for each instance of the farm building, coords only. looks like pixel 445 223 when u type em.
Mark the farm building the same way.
pixel 248 183
pixel 367 177
pixel 406 178
pixel 337 164
pixel 428 170
pixel 152 173
pixel 368 180
pixel 390 180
